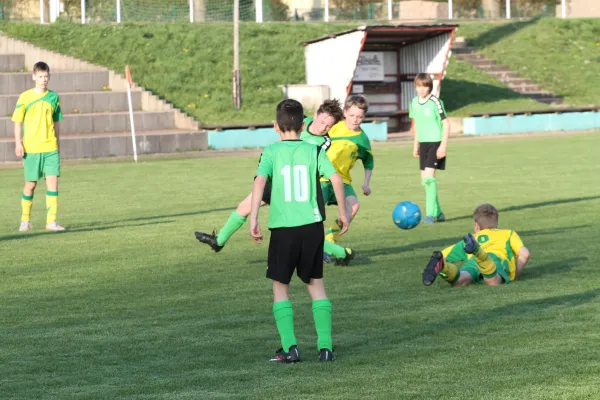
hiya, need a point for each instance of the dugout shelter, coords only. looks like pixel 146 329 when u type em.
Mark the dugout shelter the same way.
pixel 380 62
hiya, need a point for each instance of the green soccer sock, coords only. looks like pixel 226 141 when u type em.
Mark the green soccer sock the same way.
pixel 235 222
pixel 334 249
pixel 322 314
pixel 432 208
pixel 284 318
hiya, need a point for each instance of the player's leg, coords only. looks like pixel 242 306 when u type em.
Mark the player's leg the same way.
pixel 32 166
pixel 51 169
pixel 428 164
pixel 438 266
pixel 310 270
pixel 352 207
pixel 488 264
pixel 284 253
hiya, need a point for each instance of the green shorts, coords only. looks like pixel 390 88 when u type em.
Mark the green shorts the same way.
pixel 329 194
pixel 38 165
pixel 501 268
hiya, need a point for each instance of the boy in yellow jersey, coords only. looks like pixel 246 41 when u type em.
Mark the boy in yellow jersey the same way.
pixel 492 256
pixel 431 128
pixel 348 144
pixel 36 141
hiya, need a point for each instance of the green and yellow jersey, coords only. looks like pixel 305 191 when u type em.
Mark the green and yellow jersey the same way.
pixel 503 243
pixel 347 146
pixel 428 117
pixel 38 112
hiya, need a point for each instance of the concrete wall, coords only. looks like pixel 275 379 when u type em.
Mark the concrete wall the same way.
pixel 423 10
pixel 568 121
pixel 580 9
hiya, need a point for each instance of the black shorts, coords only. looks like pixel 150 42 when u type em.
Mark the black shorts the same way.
pixel 299 248
pixel 427 156
pixel 267 193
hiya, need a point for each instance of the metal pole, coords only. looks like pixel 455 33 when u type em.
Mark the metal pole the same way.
pixel 450 10
pixel 41 11
pixel 507 9
pixel 237 87
pixel 83 11
pixel 259 11
pixel 563 7
pixel 118 11
pixel 326 15
pixel 390 10
pixel 191 11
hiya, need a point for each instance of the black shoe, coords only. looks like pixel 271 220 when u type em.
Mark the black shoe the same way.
pixel 433 268
pixel 209 239
pixel 326 355
pixel 471 244
pixel 292 356
pixel 344 262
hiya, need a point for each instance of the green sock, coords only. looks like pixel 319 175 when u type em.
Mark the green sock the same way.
pixel 234 223
pixel 322 314
pixel 284 318
pixel 334 249
pixel 431 202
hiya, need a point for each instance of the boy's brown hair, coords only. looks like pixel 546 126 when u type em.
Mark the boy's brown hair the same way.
pixel 358 101
pixel 41 66
pixel 423 79
pixel 486 216
pixel 333 108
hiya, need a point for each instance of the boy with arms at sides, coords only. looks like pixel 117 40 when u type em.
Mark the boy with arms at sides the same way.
pixel 36 119
pixel 314 132
pixel 296 224
pixel 348 144
pixel 430 128
pixel 492 256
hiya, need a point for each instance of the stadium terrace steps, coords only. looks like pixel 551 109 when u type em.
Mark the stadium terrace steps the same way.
pixel 512 79
pixel 96 121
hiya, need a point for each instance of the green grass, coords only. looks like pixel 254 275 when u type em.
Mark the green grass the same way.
pixel 127 305
pixel 563 56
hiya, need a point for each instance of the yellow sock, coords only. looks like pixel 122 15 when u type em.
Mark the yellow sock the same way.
pixel 333 233
pixel 51 206
pixel 449 272
pixel 486 265
pixel 26 203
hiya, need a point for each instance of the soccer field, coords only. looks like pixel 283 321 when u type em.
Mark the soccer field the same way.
pixel 126 304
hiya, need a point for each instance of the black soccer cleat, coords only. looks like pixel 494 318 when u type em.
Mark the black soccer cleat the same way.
pixel 292 356
pixel 344 262
pixel 326 355
pixel 471 244
pixel 433 268
pixel 209 239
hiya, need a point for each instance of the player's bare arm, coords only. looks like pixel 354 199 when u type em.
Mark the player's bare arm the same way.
pixel 441 151
pixel 413 131
pixel 522 260
pixel 19 150
pixel 366 187
pixel 257 193
pixel 338 188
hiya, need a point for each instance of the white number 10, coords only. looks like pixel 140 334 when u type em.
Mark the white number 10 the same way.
pixel 300 183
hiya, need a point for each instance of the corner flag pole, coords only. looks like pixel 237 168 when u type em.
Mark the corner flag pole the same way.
pixel 129 87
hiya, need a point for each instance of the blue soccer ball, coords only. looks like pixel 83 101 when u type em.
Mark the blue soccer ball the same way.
pixel 406 215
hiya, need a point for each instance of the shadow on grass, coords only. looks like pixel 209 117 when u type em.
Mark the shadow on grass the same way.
pixel 463 93
pixel 499 32
pixel 29 235
pixel 552 268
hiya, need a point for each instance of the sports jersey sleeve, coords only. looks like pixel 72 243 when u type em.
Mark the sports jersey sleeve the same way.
pixel 57 116
pixel 515 243
pixel 441 109
pixel 455 253
pixel 265 165
pixel 364 152
pixel 19 113
pixel 326 168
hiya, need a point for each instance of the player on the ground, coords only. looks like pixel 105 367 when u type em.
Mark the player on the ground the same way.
pixel 348 144
pixel 492 256
pixel 430 128
pixel 314 132
pixel 296 224
pixel 36 118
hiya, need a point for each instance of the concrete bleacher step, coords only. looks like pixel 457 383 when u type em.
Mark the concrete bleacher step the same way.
pixel 60 82
pixel 118 144
pixel 104 122
pixel 12 62
pixel 82 102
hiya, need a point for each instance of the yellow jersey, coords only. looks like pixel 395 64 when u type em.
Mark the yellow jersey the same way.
pixel 503 243
pixel 347 146
pixel 38 112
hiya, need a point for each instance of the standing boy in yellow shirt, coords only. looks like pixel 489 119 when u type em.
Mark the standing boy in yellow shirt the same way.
pixel 36 141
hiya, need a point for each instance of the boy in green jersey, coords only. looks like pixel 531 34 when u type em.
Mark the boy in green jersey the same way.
pixel 430 128
pixel 35 118
pixel 296 223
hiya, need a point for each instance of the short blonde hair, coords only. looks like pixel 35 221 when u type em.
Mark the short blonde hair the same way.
pixel 358 101
pixel 423 79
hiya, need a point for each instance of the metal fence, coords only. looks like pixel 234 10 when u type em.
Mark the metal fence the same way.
pixel 197 11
